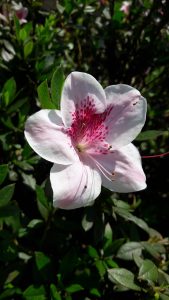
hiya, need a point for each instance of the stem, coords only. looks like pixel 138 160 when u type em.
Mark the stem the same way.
pixel 157 155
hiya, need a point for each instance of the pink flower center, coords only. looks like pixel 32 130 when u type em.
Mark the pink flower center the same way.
pixel 89 130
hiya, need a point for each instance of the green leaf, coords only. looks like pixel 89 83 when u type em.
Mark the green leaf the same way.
pixel 3 172
pixel 44 96
pixel 6 194
pixel 163 278
pixel 54 293
pixel 11 276
pixel 34 223
pixel 68 263
pixel 24 165
pixel 42 202
pixel 29 180
pixel 22 34
pixel 149 135
pixel 121 204
pixel 101 267
pixel 148 271
pixel 10 292
pixel 56 86
pixel 111 263
pixel 8 251
pixel 9 91
pixel 137 259
pixel 17 104
pixel 41 260
pixel 164 296
pixel 92 252
pixel 44 267
pixel 8 211
pixel 95 292
pixel 35 293
pixel 129 249
pixel 28 49
pixel 41 196
pixel 129 217
pixel 88 218
pixel 108 235
pixel 73 288
pixel 123 277
pixel 151 248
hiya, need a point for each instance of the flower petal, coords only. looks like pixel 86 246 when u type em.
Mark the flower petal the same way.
pixel 122 170
pixel 127 116
pixel 77 88
pixel 44 132
pixel 75 185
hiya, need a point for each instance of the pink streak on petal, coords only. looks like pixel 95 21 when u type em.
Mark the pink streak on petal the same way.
pixel 77 87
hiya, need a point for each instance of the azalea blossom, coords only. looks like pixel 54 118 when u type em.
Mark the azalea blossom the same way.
pixel 125 7
pixel 89 140
pixel 20 11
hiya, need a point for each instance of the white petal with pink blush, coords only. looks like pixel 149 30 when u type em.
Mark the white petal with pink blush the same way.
pixel 45 133
pixel 75 185
pixel 89 140
pixel 122 170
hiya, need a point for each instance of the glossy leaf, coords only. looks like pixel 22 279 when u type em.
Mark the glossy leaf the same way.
pixel 148 271
pixel 149 135
pixel 55 295
pixel 163 277
pixel 123 277
pixel 44 267
pixel 150 248
pixel 88 218
pixel 92 252
pixel 41 260
pixel 44 96
pixel 9 91
pixel 101 267
pixel 73 288
pixel 56 86
pixel 3 172
pixel 164 296
pixel 42 202
pixel 35 293
pixel 130 217
pixel 95 292
pixel 68 262
pixel 28 48
pixel 129 249
pixel 6 194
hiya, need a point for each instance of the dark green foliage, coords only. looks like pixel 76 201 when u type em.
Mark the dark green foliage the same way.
pixel 110 250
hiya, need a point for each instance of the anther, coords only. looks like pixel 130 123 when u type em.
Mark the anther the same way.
pixel 113 176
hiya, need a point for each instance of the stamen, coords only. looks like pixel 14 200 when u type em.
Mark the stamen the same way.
pixel 89 130
pixel 105 172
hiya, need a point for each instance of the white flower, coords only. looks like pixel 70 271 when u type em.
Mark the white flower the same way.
pixel 89 140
